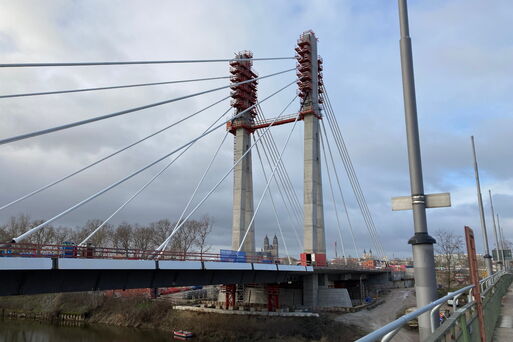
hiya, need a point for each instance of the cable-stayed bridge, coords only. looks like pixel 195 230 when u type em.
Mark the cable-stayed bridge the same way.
pixel 29 268
pixel 33 268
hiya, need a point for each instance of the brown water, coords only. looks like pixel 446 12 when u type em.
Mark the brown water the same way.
pixel 34 331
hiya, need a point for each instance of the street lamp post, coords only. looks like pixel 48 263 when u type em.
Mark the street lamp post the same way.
pixel 498 247
pixel 487 256
pixel 422 242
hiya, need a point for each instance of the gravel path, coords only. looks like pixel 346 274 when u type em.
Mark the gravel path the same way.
pixel 396 301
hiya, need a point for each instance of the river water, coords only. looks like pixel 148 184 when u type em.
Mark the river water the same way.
pixel 34 331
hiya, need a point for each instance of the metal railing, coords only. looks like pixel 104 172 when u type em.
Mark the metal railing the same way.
pixel 30 250
pixel 456 326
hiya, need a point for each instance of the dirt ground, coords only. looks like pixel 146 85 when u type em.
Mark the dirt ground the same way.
pixel 396 301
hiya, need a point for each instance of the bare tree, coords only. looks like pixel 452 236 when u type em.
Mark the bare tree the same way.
pixel 202 232
pixel 43 236
pixel 4 237
pixel 63 234
pixel 160 230
pixel 122 237
pixel 143 238
pixel 192 235
pixel 185 238
pixel 449 247
pixel 100 238
pixel 17 225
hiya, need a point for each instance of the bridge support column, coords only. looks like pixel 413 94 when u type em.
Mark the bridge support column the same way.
pixel 242 193
pixel 308 73
pixel 230 299
pixel 314 239
pixel 273 295
pixel 244 96
pixel 311 291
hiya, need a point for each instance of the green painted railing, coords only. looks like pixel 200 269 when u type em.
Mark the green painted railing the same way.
pixel 463 324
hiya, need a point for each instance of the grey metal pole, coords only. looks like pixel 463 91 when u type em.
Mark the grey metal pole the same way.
pixel 497 245
pixel 506 264
pixel 422 243
pixel 487 256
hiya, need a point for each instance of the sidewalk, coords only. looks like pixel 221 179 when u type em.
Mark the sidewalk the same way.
pixel 504 330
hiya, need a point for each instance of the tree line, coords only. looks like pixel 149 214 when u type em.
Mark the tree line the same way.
pixel 451 258
pixel 192 237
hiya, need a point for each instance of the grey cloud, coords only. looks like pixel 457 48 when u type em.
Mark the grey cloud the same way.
pixel 461 52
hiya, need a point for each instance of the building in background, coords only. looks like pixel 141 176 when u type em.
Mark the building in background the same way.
pixel 271 250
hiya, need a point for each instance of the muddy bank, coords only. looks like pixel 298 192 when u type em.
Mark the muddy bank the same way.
pixel 159 314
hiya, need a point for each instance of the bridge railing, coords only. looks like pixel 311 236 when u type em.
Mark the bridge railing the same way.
pixel 462 325
pixel 354 267
pixel 29 250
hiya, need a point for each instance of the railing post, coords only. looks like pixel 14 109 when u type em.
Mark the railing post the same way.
pixel 434 322
pixel 454 302
pixel 390 335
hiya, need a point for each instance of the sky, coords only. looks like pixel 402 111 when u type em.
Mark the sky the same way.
pixel 462 52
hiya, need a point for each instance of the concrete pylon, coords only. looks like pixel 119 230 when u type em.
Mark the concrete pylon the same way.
pixel 242 193
pixel 314 237
pixel 244 96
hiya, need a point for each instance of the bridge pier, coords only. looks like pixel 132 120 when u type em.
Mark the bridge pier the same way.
pixel 314 240
pixel 244 96
pixel 311 291
pixel 242 193
pixel 309 73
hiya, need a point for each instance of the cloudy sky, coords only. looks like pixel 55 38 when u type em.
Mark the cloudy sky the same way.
pixel 462 53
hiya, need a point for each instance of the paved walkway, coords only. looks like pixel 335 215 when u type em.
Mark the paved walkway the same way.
pixel 504 330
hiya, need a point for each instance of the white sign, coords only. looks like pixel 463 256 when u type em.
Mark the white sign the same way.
pixel 432 201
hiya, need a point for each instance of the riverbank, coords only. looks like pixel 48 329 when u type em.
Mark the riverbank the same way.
pixel 159 314
pixel 395 302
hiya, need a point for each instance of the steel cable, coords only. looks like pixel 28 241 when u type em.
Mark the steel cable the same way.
pixel 110 87
pixel 184 61
pixel 274 209
pixel 108 156
pixel 270 158
pixel 168 239
pixel 199 184
pixel 350 225
pixel 127 111
pixel 267 186
pixel 335 203
pixel 362 203
pixel 279 184
pixel 148 183
pixel 270 143
pixel 32 230
pixel 354 186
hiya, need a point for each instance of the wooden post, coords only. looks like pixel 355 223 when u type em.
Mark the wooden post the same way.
pixel 474 279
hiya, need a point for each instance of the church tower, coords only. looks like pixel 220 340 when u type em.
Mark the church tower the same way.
pixel 275 251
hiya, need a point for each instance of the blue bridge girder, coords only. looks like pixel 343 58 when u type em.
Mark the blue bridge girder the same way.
pixel 21 276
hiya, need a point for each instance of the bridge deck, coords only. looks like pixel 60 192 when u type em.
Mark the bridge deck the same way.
pixel 504 330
